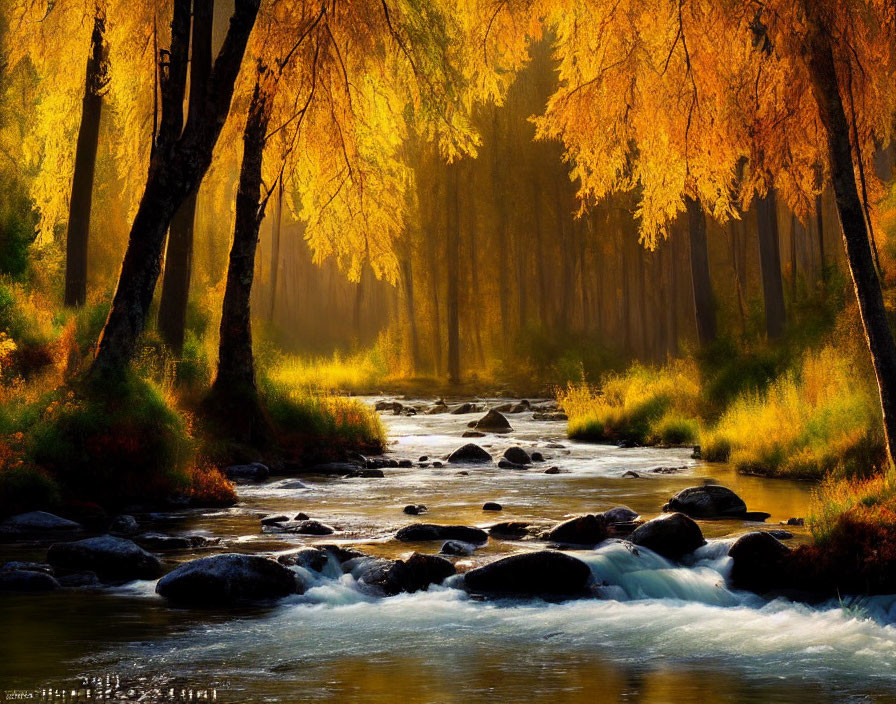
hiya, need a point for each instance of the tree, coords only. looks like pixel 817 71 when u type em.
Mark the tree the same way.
pixel 179 253
pixel 770 264
pixel 81 200
pixel 181 155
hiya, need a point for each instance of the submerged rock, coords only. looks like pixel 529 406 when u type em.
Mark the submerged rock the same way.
pixel 420 532
pixel 758 562
pixel 509 530
pixel 620 514
pixel 163 542
pixel 582 530
pixel 124 525
pixel 27 581
pixel 493 422
pixel 504 463
pixel 227 579
pixel 303 527
pixel 414 509
pixel 543 573
pixel 710 501
pixel 457 548
pixel 110 557
pixel 38 522
pixel 492 506
pixel 255 472
pixel 472 434
pixel 470 452
pixel 517 455
pixel 463 409
pixel 274 519
pixel 672 536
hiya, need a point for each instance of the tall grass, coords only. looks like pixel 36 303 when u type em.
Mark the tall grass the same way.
pixel 871 501
pixel 644 405
pixel 352 373
pixel 819 418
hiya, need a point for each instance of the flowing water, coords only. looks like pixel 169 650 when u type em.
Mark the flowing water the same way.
pixel 661 633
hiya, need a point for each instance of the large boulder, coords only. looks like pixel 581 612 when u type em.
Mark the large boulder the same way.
pixel 582 530
pixel 672 536
pixel 470 453
pixel 423 570
pixel 27 581
pixel 759 562
pixel 420 532
pixel 243 473
pixel 37 522
pixel 709 501
pixel 517 455
pixel 543 573
pixel 110 557
pixel 230 578
pixel 493 422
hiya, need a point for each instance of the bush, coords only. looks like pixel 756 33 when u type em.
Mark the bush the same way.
pixel 642 405
pixel 18 223
pixel 24 488
pixel 306 423
pixel 821 417
pixel 113 445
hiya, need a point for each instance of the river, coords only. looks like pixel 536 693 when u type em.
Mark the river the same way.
pixel 662 633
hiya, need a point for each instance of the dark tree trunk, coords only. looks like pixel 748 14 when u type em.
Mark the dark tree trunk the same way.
pixel 453 266
pixel 179 254
pixel 275 249
pixel 733 230
pixel 770 265
pixel 822 72
pixel 407 269
pixel 81 201
pixel 236 367
pixel 819 224
pixel 499 195
pixel 180 159
pixel 701 283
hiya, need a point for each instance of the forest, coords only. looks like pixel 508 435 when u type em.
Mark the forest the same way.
pixel 619 270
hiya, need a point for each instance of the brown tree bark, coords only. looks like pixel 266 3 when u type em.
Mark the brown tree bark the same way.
pixel 819 59
pixel 770 265
pixel 276 227
pixel 181 156
pixel 81 202
pixel 172 317
pixel 701 283
pixel 407 271
pixel 452 243
pixel 235 378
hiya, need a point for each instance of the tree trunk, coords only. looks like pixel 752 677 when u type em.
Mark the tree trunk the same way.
pixel 770 265
pixel 181 157
pixel 236 367
pixel 701 284
pixel 499 195
pixel 738 282
pixel 411 311
pixel 179 254
pixel 81 201
pixel 275 249
pixel 823 75
pixel 453 266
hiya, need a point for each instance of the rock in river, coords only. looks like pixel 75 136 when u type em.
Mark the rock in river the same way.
pixel 110 557
pixel 228 579
pixel 255 472
pixel 672 536
pixel 27 581
pixel 419 532
pixel 470 452
pixel 457 548
pixel 582 530
pixel 517 455
pixel 493 422
pixel 546 572
pixel 759 560
pixel 620 514
pixel 710 501
pixel 38 522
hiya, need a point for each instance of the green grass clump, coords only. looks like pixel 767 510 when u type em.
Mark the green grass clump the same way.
pixel 309 422
pixel 644 405
pixel 820 417
pixel 113 445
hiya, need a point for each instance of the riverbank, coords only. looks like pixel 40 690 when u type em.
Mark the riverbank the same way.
pixel 343 639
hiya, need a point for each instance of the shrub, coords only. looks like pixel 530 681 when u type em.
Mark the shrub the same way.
pixel 643 405
pixel 24 488
pixel 18 223
pixel 113 445
pixel 821 417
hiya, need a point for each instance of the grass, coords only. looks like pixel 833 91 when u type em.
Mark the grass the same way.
pixel 817 419
pixel 643 405
pixel 355 373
